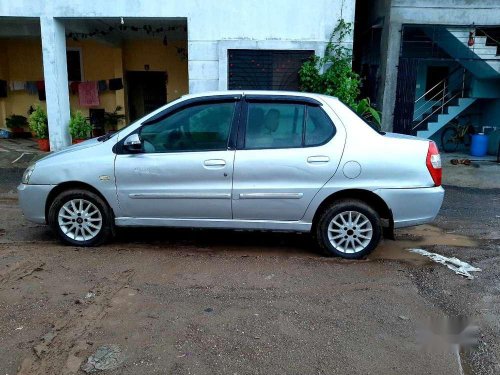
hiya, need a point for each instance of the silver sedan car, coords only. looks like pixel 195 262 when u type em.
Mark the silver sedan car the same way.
pixel 262 160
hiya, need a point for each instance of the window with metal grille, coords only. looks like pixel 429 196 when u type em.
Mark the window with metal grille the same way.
pixel 265 69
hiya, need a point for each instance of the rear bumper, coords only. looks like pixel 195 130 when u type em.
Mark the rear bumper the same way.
pixel 413 206
pixel 32 200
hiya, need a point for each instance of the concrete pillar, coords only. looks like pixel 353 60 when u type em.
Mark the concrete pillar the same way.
pixel 119 72
pixel 390 75
pixel 56 81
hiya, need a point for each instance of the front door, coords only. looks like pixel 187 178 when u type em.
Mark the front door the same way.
pixel 146 91
pixel 286 153
pixel 185 170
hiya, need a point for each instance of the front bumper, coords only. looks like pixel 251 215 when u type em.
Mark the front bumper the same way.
pixel 413 206
pixel 32 200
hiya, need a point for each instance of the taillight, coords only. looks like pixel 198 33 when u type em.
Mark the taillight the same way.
pixel 433 163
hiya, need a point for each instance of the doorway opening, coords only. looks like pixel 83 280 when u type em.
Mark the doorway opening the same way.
pixel 146 91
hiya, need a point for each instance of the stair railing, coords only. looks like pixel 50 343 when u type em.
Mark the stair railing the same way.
pixel 443 96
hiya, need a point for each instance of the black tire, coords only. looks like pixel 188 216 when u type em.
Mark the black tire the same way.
pixel 449 140
pixel 321 228
pixel 106 230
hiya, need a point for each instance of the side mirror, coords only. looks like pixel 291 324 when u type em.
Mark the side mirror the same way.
pixel 133 143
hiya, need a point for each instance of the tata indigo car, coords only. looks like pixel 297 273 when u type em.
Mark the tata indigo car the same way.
pixel 261 160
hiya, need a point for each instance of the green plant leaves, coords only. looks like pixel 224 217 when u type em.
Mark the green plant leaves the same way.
pixel 79 126
pixel 332 74
pixel 38 124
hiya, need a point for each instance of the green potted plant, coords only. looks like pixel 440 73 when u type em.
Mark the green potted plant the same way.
pixel 16 123
pixel 40 127
pixel 79 127
pixel 112 119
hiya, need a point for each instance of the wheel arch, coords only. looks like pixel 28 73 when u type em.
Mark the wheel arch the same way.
pixel 366 196
pixel 68 185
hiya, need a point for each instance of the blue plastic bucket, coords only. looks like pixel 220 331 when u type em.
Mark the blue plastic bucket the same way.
pixel 479 145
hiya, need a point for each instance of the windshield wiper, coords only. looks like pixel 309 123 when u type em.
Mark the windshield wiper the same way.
pixel 105 137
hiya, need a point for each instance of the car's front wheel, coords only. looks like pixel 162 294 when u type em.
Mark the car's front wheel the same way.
pixel 81 218
pixel 349 229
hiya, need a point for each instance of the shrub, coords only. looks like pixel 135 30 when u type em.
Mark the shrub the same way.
pixel 16 121
pixel 79 126
pixel 38 124
pixel 332 74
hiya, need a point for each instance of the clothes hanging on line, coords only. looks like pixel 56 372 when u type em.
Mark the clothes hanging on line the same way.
pixel 17 85
pixel 88 95
pixel 3 88
pixel 31 88
pixel 115 84
pixel 73 87
pixel 102 85
pixel 40 85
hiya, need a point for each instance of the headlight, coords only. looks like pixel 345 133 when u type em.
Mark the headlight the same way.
pixel 27 174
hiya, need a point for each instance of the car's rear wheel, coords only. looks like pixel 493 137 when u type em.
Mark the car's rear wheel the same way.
pixel 349 229
pixel 81 218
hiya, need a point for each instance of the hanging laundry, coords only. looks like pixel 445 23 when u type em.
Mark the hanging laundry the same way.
pixel 88 96
pixel 17 85
pixel 31 88
pixel 115 84
pixel 102 85
pixel 3 88
pixel 40 86
pixel 73 87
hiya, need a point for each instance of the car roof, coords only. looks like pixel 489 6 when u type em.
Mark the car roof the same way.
pixel 257 92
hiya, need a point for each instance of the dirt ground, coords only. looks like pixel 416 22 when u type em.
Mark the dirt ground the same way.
pixel 198 302
pixel 222 302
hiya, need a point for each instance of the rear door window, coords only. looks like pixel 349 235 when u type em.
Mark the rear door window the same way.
pixel 286 125
pixel 274 125
pixel 319 127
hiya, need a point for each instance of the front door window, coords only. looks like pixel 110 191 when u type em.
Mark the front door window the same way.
pixel 204 127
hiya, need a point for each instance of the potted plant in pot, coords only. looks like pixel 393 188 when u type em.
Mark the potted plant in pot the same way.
pixel 16 123
pixel 112 119
pixel 40 127
pixel 79 127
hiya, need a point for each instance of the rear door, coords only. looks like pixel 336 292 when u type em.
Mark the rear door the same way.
pixel 288 148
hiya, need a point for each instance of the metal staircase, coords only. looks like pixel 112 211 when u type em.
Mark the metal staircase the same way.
pixel 442 103
pixel 480 59
pixel 479 48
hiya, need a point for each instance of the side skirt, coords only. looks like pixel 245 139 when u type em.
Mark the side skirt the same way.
pixel 291 226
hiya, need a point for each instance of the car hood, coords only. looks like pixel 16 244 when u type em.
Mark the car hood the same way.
pixel 73 148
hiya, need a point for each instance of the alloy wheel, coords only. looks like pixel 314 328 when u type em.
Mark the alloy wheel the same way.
pixel 80 219
pixel 350 232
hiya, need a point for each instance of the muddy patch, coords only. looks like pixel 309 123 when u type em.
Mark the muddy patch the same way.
pixel 424 236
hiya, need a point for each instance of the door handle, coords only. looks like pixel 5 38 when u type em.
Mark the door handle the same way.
pixel 215 163
pixel 318 159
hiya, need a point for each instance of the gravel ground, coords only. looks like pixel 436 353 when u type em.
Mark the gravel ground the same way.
pixel 198 302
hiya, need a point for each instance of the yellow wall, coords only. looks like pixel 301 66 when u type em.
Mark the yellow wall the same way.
pixel 23 61
pixel 98 62
pixel 160 58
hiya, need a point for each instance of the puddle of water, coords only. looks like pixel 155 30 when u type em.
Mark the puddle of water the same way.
pixel 420 236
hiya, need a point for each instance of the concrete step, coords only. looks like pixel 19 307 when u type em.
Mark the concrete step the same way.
pixel 442 119
pixel 485 51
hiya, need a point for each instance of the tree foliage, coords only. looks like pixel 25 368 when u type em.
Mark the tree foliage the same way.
pixel 332 74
